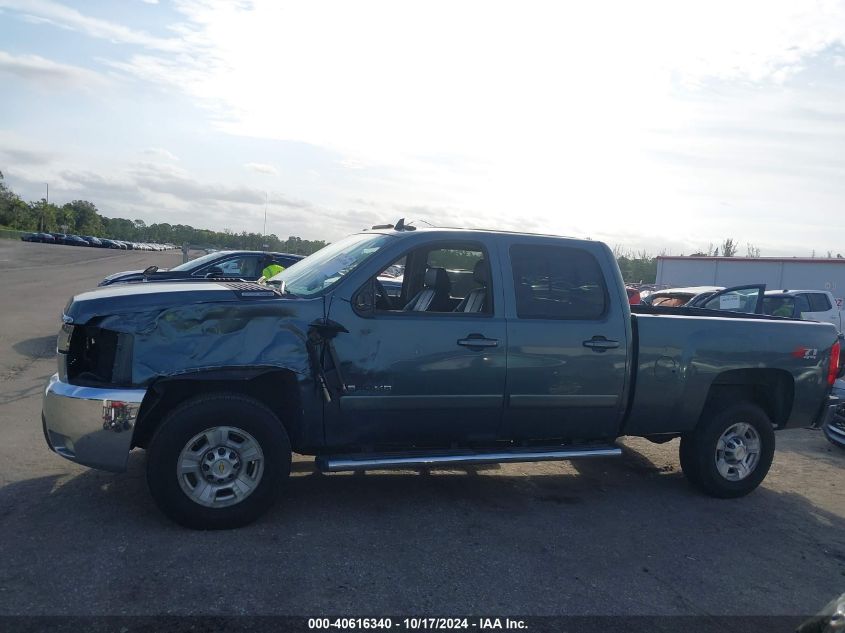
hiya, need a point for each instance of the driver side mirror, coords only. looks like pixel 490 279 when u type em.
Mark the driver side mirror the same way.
pixel 364 301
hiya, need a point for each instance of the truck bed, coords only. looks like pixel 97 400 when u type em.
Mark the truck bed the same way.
pixel 680 354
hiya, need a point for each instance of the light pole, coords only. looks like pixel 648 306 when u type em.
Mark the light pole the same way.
pixel 46 202
pixel 264 233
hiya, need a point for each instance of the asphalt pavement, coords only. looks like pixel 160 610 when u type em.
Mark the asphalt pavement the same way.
pixel 622 536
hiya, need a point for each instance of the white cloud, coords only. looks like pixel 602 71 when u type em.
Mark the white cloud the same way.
pixel 67 17
pixel 46 72
pixel 18 150
pixel 159 152
pixel 543 74
pixel 262 168
pixel 657 122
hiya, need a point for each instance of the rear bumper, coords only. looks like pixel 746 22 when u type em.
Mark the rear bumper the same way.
pixel 89 426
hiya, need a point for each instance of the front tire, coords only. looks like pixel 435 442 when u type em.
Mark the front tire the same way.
pixel 217 461
pixel 730 452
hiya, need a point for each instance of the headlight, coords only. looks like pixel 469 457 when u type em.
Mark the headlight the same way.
pixel 63 342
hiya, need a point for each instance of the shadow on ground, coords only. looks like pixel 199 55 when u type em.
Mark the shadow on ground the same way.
pixel 23 392
pixel 605 536
pixel 37 348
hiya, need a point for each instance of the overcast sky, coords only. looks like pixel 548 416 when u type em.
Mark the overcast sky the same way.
pixel 652 125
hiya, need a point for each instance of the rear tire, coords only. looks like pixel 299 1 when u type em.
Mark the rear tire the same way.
pixel 730 452
pixel 686 453
pixel 217 461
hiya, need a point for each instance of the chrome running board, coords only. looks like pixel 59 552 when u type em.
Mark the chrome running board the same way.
pixel 379 461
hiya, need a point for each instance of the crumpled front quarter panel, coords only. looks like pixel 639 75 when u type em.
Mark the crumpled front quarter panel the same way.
pixel 201 336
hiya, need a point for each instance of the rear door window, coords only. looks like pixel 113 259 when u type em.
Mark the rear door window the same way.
pixel 557 282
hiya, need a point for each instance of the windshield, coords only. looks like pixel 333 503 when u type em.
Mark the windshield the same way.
pixel 735 300
pixel 327 266
pixel 198 262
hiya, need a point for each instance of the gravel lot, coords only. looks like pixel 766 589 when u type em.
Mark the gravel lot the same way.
pixel 617 536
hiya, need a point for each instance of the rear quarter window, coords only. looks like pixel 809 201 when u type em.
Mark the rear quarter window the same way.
pixel 819 302
pixel 557 282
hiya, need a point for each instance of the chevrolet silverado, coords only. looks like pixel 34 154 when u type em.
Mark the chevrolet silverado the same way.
pixel 497 347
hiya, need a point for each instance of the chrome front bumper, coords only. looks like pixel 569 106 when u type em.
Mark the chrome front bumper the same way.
pixel 89 426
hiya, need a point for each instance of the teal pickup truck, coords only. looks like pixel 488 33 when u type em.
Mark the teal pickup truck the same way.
pixel 492 347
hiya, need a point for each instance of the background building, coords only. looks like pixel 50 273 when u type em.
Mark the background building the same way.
pixel 777 273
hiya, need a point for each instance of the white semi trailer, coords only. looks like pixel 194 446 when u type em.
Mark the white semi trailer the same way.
pixel 778 273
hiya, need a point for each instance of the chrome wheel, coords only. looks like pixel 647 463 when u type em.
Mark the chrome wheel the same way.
pixel 220 466
pixel 738 452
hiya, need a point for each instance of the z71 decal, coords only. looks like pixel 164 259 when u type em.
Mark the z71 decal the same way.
pixel 806 353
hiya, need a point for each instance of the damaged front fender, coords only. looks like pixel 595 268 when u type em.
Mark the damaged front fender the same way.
pixel 206 336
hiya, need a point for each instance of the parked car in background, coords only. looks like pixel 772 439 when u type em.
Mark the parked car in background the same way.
pixel 633 296
pixel 75 240
pixel 834 428
pixel 818 273
pixel 92 241
pixel 677 297
pixel 219 265
pixel 809 305
pixel 44 238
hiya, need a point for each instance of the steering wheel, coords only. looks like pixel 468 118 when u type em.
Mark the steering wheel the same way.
pixel 383 300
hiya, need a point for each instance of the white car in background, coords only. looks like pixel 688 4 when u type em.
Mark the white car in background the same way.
pixel 809 305
pixel 676 297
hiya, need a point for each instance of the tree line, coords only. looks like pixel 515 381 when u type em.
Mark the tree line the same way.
pixel 82 217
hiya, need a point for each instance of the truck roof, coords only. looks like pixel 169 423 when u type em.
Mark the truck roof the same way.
pixel 410 230
pixel 790 293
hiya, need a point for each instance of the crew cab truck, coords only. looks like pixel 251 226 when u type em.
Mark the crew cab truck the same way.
pixel 499 347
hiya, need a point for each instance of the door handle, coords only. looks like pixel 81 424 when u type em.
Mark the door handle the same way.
pixel 600 344
pixel 478 341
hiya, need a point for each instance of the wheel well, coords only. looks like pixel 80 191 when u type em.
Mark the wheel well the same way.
pixel 772 390
pixel 277 388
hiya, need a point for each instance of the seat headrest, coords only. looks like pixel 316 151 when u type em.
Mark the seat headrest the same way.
pixel 437 278
pixel 481 272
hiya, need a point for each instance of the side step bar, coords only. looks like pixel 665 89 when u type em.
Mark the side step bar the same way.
pixel 380 461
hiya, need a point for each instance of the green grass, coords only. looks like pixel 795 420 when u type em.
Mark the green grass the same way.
pixel 11 234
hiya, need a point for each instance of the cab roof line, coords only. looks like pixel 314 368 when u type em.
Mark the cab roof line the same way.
pixel 401 225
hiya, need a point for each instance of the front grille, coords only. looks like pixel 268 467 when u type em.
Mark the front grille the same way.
pixel 91 356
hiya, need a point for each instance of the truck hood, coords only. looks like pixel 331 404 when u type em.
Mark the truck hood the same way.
pixel 179 328
pixel 133 298
pixel 138 275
